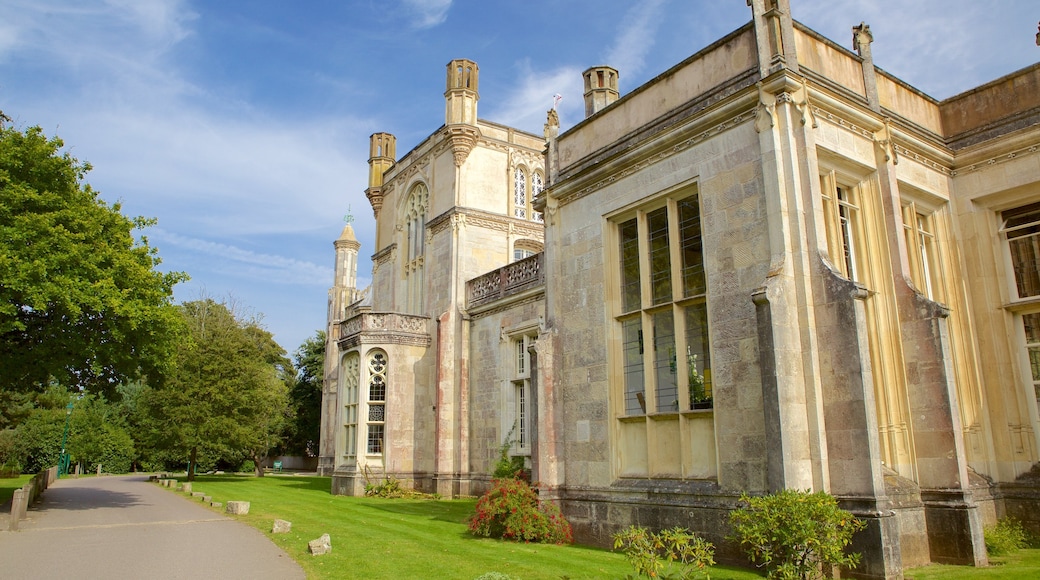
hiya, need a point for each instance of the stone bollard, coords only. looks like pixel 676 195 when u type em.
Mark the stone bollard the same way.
pixel 215 504
pixel 239 508
pixel 281 527
pixel 197 494
pixel 321 546
pixel 185 487
pixel 18 509
pixel 207 499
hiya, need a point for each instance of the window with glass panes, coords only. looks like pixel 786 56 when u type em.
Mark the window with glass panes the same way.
pixel 1022 231
pixel 351 365
pixel 923 251
pixel 521 200
pixel 1031 324
pixel 841 219
pixel 664 320
pixel 377 367
pixel 521 385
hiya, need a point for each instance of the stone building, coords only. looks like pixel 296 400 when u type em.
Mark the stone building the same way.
pixel 773 266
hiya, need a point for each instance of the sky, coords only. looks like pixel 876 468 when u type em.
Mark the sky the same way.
pixel 243 127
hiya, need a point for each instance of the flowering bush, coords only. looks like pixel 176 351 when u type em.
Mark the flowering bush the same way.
pixel 511 510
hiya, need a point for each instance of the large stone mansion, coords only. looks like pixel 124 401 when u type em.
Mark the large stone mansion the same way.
pixel 773 266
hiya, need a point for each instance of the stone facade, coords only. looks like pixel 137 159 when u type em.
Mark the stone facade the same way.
pixel 773 266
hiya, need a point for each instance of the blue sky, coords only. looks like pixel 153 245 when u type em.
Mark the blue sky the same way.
pixel 243 126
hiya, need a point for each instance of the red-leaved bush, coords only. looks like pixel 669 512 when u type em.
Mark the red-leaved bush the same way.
pixel 511 510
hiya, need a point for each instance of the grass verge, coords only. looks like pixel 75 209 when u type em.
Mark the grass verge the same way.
pixel 9 484
pixel 1020 565
pixel 376 538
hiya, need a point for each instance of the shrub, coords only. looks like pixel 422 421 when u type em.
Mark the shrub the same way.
pixel 248 466
pixel 1005 537
pixel 793 533
pixel 644 550
pixel 510 466
pixel 511 510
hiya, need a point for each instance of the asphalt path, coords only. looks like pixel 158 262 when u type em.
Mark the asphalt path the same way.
pixel 125 527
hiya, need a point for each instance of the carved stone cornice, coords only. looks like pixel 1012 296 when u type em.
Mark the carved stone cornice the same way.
pixel 385 255
pixel 656 157
pixel 463 139
pixel 466 217
pixel 375 198
pixel 384 328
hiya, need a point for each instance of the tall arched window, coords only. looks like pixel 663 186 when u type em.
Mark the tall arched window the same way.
pixel 415 225
pixel 351 363
pixel 519 193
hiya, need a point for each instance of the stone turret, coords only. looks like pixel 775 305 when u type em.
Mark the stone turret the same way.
pixel 601 88
pixel 460 111
pixel 381 153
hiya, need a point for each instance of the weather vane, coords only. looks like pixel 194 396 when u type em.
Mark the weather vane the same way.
pixel 349 218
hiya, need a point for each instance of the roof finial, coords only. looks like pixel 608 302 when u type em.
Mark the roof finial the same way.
pixel 1038 34
pixel 349 218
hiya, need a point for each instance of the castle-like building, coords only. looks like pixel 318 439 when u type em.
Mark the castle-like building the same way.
pixel 773 266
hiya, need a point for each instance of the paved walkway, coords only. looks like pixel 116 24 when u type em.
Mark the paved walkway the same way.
pixel 125 527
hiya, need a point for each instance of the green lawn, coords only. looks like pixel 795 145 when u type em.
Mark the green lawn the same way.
pixel 1022 565
pixel 396 538
pixel 9 484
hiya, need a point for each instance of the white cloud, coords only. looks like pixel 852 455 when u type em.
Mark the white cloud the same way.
pixel 427 13
pixel 636 37
pixel 248 264
pixel 526 105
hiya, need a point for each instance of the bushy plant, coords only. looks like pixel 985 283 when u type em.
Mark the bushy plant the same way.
pixel 1005 537
pixel 511 510
pixel 509 465
pixel 647 552
pixel 794 533
pixel 248 466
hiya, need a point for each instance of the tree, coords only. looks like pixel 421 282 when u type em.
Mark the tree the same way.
pixel 81 303
pixel 305 397
pixel 98 435
pixel 226 397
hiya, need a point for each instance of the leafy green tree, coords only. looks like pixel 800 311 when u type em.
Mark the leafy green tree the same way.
pixel 226 398
pixel 98 435
pixel 305 397
pixel 81 303
pixel 38 438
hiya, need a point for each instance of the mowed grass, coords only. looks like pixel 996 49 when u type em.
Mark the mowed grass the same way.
pixel 9 484
pixel 376 538
pixel 1022 565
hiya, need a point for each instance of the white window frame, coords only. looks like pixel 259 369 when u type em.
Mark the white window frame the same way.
pixel 376 403
pixel 1021 231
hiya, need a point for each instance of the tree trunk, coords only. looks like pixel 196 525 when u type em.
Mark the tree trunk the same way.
pixel 191 463
pixel 258 465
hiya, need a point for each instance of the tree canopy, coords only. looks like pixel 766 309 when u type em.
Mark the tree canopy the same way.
pixel 227 395
pixel 305 397
pixel 81 301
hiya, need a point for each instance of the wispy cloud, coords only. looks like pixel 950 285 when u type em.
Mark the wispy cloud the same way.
pixel 427 13
pixel 636 37
pixel 232 260
pixel 526 105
